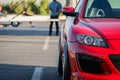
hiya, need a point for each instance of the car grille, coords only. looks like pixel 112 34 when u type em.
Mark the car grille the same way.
pixel 115 59
pixel 89 64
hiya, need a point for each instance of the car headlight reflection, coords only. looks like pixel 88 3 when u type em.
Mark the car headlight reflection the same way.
pixel 88 40
pixel 91 40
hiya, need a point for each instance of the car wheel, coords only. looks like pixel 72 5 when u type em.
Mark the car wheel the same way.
pixel 15 24
pixel 60 68
pixel 5 25
pixel 66 64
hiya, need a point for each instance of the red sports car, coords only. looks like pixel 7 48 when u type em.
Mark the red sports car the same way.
pixel 89 44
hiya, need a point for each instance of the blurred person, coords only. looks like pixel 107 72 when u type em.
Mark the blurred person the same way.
pixel 55 7
pixel 1 13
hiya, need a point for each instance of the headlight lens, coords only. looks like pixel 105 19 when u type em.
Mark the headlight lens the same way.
pixel 91 40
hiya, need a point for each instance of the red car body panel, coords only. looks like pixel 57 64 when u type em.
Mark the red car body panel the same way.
pixel 106 28
pixel 101 53
pixel 111 37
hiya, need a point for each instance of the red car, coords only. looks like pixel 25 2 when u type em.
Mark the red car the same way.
pixel 89 44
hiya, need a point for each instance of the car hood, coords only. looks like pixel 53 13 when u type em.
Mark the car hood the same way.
pixel 109 28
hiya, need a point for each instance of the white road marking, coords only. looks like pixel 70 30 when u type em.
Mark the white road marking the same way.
pixel 46 44
pixel 37 73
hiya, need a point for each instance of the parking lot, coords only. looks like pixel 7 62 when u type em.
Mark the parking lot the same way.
pixel 25 56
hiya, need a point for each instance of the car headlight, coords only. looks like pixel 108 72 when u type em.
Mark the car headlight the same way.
pixel 91 40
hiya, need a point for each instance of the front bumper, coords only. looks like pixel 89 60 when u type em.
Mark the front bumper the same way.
pixel 86 76
pixel 99 66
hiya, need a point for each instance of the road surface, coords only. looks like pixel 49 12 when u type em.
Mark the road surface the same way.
pixel 27 56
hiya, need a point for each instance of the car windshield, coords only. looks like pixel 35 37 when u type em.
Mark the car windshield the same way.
pixel 102 9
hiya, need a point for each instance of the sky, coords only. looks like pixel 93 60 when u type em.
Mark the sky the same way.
pixel 7 1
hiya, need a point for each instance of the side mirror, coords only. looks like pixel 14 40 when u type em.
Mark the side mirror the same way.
pixel 69 11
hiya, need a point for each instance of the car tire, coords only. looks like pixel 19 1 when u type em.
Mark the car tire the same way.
pixel 66 64
pixel 5 25
pixel 15 24
pixel 60 68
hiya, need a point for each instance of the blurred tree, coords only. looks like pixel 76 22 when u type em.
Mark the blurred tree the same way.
pixel 33 7
pixel 28 6
pixel 6 8
pixel 44 7
pixel 18 9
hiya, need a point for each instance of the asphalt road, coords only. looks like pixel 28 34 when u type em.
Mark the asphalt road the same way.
pixel 28 56
pixel 25 28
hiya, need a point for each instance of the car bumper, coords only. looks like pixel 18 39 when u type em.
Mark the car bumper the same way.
pixel 86 76
pixel 110 72
pixel 5 22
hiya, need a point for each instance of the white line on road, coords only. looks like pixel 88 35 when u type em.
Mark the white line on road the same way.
pixel 37 73
pixel 46 44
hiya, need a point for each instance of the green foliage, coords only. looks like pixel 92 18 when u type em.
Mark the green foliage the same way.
pixel 11 9
pixel 44 7
pixel 28 6
pixel 19 9
pixel 6 8
pixel 33 8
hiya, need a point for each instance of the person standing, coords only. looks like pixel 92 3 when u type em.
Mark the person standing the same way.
pixel 55 8
pixel 1 13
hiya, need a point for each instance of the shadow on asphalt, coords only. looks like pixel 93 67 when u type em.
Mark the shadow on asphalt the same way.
pixel 23 72
pixel 26 32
